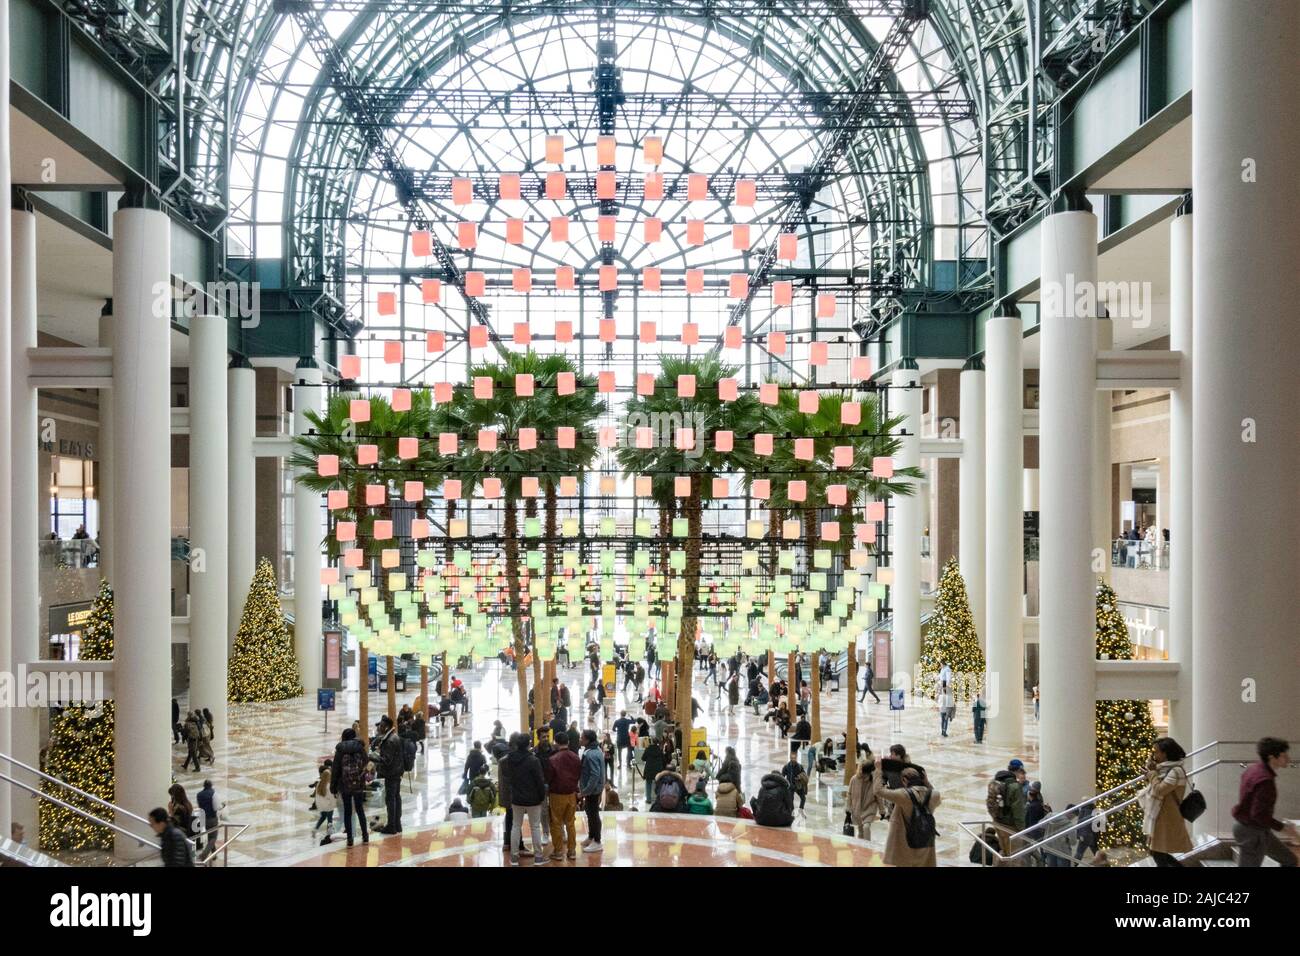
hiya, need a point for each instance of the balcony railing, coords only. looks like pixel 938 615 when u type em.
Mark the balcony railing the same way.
pixel 1139 555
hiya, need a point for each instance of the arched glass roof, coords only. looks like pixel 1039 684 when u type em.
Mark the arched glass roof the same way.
pixel 732 86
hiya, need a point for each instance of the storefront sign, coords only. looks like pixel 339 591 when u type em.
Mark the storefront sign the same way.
pixel 66 618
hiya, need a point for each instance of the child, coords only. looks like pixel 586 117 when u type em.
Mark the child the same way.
pixel 323 801
pixel 612 802
pixel 699 802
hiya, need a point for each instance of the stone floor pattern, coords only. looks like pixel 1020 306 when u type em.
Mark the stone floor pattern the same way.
pixel 266 775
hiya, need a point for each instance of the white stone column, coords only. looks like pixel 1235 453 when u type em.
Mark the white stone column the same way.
pixel 1125 490
pixel 104 455
pixel 209 516
pixel 1004 546
pixel 242 404
pixel 142 494
pixel 1181 622
pixel 970 535
pixel 28 503
pixel 307 635
pixel 1104 401
pixel 1067 423
pixel 1031 486
pixel 6 384
pixel 905 536
pixel 1245 390
pixel 1162 502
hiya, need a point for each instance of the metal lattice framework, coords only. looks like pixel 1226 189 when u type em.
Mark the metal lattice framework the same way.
pixel 260 130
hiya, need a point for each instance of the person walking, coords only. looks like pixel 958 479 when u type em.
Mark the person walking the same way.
pixel 562 772
pixel 175 849
pixel 348 781
pixel 978 710
pixel 324 799
pixel 1167 785
pixel 591 786
pixel 910 841
pixel 190 731
pixel 207 800
pixel 864 803
pixel 652 762
pixel 527 792
pixel 475 763
pixel 1255 828
pixel 867 680
pixel 798 780
pixel 946 707
pixel 623 738
pixel 176 721
pixel 733 691
pixel 389 766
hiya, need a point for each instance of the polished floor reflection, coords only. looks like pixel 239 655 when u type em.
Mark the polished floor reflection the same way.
pixel 629 839
pixel 265 776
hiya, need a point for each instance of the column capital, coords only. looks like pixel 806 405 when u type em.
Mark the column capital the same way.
pixel 107 311
pixel 1184 207
pixel 974 364
pixel 239 361
pixel 307 361
pixel 908 363
pixel 21 200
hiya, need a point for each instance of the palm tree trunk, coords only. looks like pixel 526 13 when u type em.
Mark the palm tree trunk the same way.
pixel 684 671
pixel 539 705
pixel 510 532
pixel 363 668
pixel 851 731
pixel 773 537
pixel 814 659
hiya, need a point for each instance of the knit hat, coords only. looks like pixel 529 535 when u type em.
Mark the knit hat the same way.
pixel 1016 764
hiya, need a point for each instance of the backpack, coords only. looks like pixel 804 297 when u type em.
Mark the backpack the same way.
pixel 920 825
pixel 801 782
pixel 483 799
pixel 670 795
pixel 352 773
pixel 408 754
pixel 980 854
pixel 996 801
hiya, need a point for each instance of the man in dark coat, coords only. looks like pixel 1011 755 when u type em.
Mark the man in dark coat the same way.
pixel 176 849
pixel 774 804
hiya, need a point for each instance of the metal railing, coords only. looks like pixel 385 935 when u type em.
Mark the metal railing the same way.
pixel 1076 811
pixel 85 814
pixel 201 858
pixel 1140 554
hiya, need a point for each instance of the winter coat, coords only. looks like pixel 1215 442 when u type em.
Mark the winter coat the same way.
pixel 527 785
pixel 389 764
pixel 897 852
pixel 562 772
pixel 699 803
pixel 774 804
pixel 1162 821
pixel 728 801
pixel 654 760
pixel 176 849
pixel 733 692
pixel 347 752
pixel 730 770
pixel 475 764
pixel 864 805
pixel 1016 801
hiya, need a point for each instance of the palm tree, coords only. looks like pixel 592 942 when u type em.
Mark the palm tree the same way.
pixel 707 414
pixel 873 437
pixel 580 410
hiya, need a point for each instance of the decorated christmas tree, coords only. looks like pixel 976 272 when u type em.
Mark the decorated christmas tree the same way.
pixel 952 640
pixel 1125 730
pixel 81 750
pixel 263 667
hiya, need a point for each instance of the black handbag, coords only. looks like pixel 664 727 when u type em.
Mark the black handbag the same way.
pixel 1192 804
pixel 848 828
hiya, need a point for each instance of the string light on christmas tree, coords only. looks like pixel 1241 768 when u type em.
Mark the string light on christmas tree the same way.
pixel 952 640
pixel 81 750
pixel 1125 730
pixel 263 667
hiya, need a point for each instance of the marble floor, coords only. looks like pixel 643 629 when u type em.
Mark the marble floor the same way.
pixel 629 839
pixel 266 775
